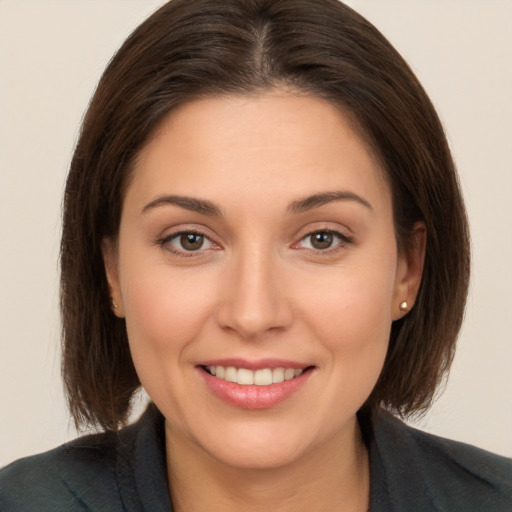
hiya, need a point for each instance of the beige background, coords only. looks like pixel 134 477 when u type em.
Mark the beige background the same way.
pixel 51 55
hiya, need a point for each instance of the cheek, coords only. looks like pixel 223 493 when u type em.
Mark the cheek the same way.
pixel 354 327
pixel 165 311
pixel 165 314
pixel 354 302
pixel 351 313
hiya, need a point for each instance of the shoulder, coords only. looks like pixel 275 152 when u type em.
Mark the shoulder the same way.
pixel 108 472
pixel 468 461
pixel 79 475
pixel 447 474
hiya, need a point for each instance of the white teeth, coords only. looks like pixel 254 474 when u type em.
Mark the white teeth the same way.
pixel 246 377
pixel 230 375
pixel 289 373
pixel 263 377
pixel 277 375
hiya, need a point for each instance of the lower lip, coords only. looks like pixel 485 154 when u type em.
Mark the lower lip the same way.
pixel 252 396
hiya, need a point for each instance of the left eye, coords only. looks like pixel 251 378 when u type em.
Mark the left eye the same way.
pixel 322 240
pixel 189 242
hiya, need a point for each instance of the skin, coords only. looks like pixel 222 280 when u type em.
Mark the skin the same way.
pixel 258 288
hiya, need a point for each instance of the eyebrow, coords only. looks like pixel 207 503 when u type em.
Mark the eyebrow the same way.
pixel 188 203
pixel 317 200
pixel 209 208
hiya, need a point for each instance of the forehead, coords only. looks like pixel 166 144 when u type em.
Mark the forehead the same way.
pixel 241 148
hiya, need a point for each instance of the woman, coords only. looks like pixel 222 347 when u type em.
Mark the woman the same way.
pixel 263 228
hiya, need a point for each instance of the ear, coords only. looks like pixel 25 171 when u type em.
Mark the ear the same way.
pixel 110 260
pixel 409 271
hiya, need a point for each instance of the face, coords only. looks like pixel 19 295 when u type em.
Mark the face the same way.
pixel 257 270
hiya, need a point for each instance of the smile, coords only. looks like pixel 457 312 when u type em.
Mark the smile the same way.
pixel 247 377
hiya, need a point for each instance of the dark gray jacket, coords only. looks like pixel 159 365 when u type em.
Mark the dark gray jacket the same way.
pixel 410 471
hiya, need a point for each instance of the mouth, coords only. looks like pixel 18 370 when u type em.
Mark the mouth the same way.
pixel 254 384
pixel 260 377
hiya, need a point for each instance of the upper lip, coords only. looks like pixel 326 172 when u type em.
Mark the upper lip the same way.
pixel 254 365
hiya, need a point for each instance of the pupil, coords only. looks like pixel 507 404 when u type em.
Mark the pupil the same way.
pixel 191 241
pixel 321 240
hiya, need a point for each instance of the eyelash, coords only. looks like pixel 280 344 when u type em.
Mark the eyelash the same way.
pixel 343 241
pixel 165 242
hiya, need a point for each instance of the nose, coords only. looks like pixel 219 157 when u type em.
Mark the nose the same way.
pixel 254 300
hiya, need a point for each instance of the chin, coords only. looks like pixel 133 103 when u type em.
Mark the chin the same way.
pixel 255 455
pixel 267 444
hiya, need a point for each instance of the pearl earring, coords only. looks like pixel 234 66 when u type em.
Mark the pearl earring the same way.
pixel 404 306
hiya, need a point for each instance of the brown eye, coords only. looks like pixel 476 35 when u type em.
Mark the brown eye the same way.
pixel 187 242
pixel 191 241
pixel 321 240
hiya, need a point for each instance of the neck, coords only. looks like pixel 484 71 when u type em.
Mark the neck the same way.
pixel 334 476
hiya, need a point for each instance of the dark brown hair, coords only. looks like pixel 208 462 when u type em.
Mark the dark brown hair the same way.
pixel 190 49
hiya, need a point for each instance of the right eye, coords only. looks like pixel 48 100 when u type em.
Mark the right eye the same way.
pixel 187 242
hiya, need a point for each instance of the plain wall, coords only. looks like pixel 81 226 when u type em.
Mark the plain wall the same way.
pixel 52 53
